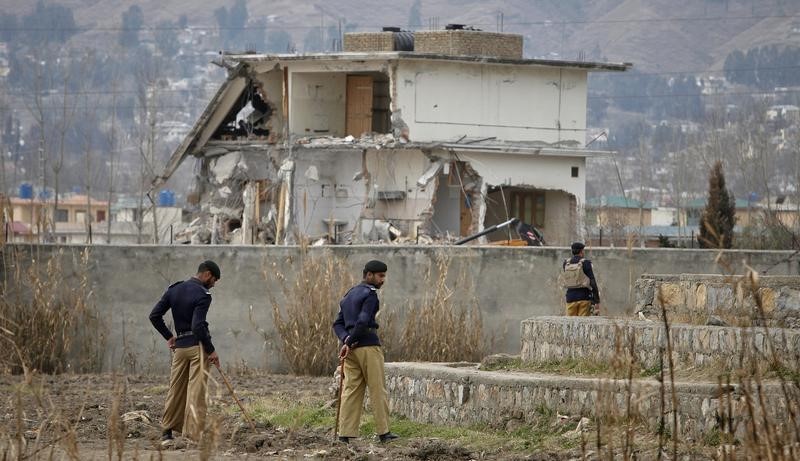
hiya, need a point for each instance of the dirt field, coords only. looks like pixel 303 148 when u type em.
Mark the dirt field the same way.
pixel 69 416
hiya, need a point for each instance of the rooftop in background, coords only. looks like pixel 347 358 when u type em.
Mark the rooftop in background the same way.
pixel 65 200
pixel 740 203
pixel 616 201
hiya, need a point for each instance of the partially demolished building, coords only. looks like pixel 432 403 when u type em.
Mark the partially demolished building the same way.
pixel 420 137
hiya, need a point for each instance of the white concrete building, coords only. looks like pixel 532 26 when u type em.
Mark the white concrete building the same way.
pixel 437 139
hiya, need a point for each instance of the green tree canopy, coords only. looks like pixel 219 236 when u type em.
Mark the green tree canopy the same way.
pixel 132 21
pixel 719 216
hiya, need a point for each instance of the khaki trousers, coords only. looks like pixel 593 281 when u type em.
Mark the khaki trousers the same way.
pixel 363 368
pixel 579 308
pixel 185 409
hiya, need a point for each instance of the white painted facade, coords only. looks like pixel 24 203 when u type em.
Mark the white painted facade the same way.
pixel 446 100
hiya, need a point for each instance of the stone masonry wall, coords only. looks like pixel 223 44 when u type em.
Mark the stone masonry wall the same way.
pixel 468 43
pixel 727 297
pixel 600 340
pixel 441 394
pixel 368 41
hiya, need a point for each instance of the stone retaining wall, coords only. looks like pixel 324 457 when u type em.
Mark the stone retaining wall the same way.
pixel 442 394
pixel 546 339
pixel 724 296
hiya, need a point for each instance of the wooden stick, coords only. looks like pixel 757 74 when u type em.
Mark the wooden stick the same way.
pixel 339 400
pixel 241 407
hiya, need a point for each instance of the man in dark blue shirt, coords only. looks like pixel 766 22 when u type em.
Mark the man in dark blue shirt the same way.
pixel 185 408
pixel 356 328
pixel 580 299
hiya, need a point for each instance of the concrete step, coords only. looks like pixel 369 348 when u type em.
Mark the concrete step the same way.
pixel 603 340
pixel 463 395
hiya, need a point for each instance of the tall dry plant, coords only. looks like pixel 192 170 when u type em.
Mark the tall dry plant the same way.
pixel 772 431
pixel 304 316
pixel 47 314
pixel 446 325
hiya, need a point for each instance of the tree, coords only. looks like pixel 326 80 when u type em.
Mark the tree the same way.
pixel 9 27
pixel 415 16
pixel 49 23
pixel 719 216
pixel 255 37
pixel 313 41
pixel 278 41
pixel 167 39
pixel 232 23
pixel 132 21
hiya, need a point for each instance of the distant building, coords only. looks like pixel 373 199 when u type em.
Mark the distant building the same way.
pixel 132 221
pixel 72 219
pixel 690 214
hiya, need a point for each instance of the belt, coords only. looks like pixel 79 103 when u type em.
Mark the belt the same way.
pixel 184 334
pixel 369 330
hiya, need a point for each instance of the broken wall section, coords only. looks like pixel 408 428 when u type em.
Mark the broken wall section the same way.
pixel 229 185
pixel 547 183
pixel 256 111
pixel 393 194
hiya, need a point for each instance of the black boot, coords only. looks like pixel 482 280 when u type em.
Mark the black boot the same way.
pixel 166 436
pixel 388 437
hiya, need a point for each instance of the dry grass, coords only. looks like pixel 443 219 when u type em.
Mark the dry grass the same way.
pixel 304 317
pixel 51 326
pixel 444 325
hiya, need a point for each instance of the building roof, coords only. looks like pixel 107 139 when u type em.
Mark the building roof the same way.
pixel 616 201
pixel 69 200
pixel 701 203
pixel 19 228
pixel 415 56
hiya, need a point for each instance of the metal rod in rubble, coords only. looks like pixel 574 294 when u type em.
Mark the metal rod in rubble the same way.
pixel 511 222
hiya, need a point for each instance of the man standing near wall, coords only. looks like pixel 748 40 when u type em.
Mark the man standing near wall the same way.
pixel 356 328
pixel 185 408
pixel 577 277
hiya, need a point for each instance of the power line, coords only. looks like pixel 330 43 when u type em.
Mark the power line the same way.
pixel 614 96
pixel 706 71
pixel 682 95
pixel 543 22
pixel 56 92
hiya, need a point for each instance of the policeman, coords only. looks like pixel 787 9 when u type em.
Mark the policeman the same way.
pixel 584 298
pixel 356 328
pixel 185 408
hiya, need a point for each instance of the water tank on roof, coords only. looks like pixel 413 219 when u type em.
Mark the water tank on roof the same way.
pixel 166 198
pixel 404 41
pixel 26 190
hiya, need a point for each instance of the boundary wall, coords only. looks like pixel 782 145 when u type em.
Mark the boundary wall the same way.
pixel 509 284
